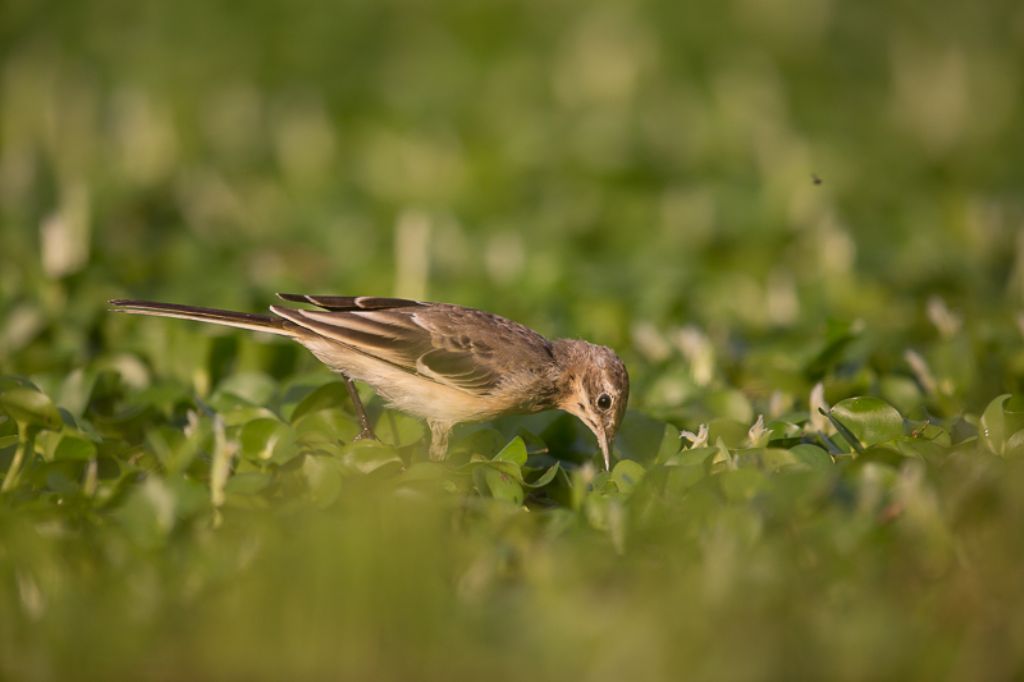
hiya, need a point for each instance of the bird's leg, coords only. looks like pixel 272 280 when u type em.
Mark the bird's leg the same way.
pixel 365 430
pixel 439 440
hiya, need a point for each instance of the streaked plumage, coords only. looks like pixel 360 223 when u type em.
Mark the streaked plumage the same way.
pixel 445 363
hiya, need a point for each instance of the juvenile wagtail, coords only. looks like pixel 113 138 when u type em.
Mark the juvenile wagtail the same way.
pixel 444 363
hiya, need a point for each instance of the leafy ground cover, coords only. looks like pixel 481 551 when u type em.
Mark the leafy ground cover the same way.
pixel 799 223
pixel 155 532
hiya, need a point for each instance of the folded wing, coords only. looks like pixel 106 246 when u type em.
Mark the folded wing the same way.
pixel 444 343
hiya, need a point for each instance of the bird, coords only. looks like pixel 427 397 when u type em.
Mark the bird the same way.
pixel 441 362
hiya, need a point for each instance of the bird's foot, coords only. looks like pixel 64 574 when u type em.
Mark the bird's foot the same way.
pixel 366 433
pixel 365 430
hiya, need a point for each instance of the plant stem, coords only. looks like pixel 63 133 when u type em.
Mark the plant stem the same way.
pixel 11 477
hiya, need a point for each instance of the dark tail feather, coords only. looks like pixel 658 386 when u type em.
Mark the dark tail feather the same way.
pixel 228 318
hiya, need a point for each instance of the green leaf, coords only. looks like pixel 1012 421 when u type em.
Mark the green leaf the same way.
pixel 670 444
pixel 1013 411
pixel 514 452
pixel 76 390
pixel 150 512
pixel 779 429
pixel 268 440
pixel 326 426
pixel 74 447
pixel 993 429
pixel 500 482
pixel 741 484
pixel 641 437
pixel 733 405
pixel 831 352
pixel 626 475
pixel 844 435
pixel 870 420
pixel 730 431
pixel 254 387
pixel 237 415
pixel 1015 444
pixel 332 395
pixel 812 456
pixel 247 483
pixel 399 430
pixel 696 456
pixel 163 396
pixel 323 478
pixel 903 392
pixel 30 407
pixel 9 381
pixel 482 442
pixel 173 449
pixel 769 459
pixel 368 456
pixel 722 460
pixel 546 477
pixel 884 455
pixel 682 478
pixel 61 477
pixel 510 468
pixel 607 513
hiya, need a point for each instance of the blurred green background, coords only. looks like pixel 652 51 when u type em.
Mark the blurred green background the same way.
pixel 746 199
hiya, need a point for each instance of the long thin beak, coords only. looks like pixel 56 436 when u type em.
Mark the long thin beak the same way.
pixel 605 441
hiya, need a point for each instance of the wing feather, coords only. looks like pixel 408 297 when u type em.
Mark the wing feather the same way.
pixel 344 303
pixel 402 338
pixel 455 346
pixel 458 368
pixel 391 325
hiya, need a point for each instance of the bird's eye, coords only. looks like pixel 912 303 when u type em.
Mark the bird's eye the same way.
pixel 604 401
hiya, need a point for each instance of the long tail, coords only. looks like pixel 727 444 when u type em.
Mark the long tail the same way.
pixel 228 318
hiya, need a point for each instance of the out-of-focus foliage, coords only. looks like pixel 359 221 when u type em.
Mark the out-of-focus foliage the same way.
pixel 799 222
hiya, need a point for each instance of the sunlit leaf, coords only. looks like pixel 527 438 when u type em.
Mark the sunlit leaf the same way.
pixel 368 456
pixel 870 420
pixel 514 452
pixel 993 429
pixel 30 407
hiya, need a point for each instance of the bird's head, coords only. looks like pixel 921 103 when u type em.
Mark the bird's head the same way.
pixel 596 389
